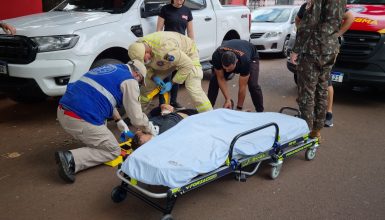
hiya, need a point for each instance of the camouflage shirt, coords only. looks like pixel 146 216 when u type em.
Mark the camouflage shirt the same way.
pixel 318 31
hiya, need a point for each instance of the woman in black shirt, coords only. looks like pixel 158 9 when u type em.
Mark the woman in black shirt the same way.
pixel 175 17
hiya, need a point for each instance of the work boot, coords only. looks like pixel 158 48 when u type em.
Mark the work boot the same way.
pixel 329 120
pixel 315 134
pixel 177 106
pixel 66 165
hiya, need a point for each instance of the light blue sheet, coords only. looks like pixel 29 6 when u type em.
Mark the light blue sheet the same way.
pixel 200 144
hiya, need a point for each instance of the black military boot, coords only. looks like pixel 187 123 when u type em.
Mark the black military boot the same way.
pixel 66 165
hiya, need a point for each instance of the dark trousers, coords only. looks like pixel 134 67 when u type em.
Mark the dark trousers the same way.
pixel 254 88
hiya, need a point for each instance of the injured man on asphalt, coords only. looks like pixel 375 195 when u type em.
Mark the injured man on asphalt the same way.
pixel 164 117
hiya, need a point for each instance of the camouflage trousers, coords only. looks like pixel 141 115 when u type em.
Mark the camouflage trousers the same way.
pixel 313 73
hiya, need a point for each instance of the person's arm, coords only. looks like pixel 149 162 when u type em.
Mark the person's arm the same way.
pixel 297 21
pixel 131 103
pixel 190 30
pixel 160 24
pixel 242 90
pixel 348 21
pixel 115 115
pixel 223 86
pixel 122 126
pixel 183 64
pixel 7 28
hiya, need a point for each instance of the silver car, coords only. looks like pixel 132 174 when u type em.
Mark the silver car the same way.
pixel 271 28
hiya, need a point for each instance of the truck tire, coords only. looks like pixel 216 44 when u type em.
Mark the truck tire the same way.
pixel 104 61
pixel 27 95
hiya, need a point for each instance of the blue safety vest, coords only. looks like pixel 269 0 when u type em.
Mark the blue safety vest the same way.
pixel 94 96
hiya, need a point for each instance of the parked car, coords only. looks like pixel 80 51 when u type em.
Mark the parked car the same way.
pixel 54 48
pixel 361 58
pixel 271 28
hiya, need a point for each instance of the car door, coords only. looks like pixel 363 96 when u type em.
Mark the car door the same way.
pixel 204 22
pixel 149 11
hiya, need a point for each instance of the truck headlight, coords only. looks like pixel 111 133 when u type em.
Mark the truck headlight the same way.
pixel 272 34
pixel 53 43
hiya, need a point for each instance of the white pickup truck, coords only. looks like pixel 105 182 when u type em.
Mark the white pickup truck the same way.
pixel 57 47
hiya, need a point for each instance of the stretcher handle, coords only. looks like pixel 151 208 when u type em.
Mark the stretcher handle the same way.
pixel 235 139
pixel 291 109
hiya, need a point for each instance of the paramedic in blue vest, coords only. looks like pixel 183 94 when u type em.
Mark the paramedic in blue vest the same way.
pixel 88 103
pixel 178 18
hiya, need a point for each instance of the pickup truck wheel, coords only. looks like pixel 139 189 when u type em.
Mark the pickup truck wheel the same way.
pixel 28 93
pixel 101 62
pixel 27 98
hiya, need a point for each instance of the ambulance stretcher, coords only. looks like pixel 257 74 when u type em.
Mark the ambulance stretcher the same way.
pixel 207 146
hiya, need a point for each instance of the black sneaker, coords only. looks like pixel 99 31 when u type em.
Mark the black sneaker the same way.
pixel 66 165
pixel 329 120
pixel 177 106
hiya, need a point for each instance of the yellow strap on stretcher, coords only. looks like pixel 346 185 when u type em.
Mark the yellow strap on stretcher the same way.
pixel 115 162
pixel 156 91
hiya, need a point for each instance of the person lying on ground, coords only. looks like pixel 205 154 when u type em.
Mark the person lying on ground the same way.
pixel 165 117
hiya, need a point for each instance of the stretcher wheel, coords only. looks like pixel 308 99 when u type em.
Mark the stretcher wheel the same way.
pixel 240 177
pixel 167 217
pixel 275 170
pixel 118 194
pixel 310 154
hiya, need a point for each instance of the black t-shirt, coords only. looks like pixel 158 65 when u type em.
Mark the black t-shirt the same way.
pixel 245 52
pixel 168 121
pixel 175 19
pixel 302 9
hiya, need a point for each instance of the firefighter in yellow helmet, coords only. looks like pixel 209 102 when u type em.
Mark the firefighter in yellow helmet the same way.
pixel 162 53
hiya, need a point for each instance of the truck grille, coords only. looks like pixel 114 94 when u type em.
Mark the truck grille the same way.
pixel 17 49
pixel 359 43
pixel 256 35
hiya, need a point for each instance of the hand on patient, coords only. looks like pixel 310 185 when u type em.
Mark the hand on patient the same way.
pixel 166 109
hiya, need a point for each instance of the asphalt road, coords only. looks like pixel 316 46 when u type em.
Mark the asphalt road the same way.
pixel 346 180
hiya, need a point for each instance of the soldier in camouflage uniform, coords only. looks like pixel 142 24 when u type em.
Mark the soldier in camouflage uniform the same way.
pixel 315 51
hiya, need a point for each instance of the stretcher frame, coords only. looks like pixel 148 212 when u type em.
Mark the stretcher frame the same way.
pixel 276 154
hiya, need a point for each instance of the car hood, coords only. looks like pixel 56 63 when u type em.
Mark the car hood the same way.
pixel 59 22
pixel 261 27
pixel 368 17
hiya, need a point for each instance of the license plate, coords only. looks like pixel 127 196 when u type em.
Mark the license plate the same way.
pixel 3 67
pixel 337 76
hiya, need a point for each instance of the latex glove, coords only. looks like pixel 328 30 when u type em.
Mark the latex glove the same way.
pixel 122 126
pixel 158 81
pixel 166 88
pixel 125 135
pixel 153 129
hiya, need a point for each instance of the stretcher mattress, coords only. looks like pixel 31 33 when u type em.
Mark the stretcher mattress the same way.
pixel 200 143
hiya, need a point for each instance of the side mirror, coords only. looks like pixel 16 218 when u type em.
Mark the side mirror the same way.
pixel 148 10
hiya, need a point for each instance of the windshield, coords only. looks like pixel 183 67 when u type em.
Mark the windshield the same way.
pixel 111 6
pixel 368 2
pixel 274 15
